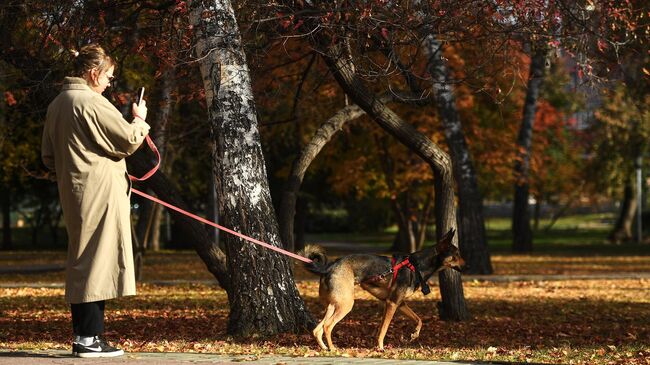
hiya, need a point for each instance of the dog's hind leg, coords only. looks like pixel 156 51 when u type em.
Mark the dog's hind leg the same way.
pixel 342 309
pixel 318 331
pixel 389 312
pixel 409 313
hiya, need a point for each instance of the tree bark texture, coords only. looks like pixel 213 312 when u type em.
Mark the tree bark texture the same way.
pixel 522 235
pixel 471 232
pixel 340 64
pixel 623 228
pixel 265 300
pixel 300 165
pixel 215 260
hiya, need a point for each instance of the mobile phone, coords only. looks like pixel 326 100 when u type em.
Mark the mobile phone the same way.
pixel 140 95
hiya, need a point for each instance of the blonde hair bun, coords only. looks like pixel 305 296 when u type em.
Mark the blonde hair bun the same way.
pixel 89 57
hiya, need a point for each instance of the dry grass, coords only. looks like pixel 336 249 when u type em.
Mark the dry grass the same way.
pixel 573 321
pixel 585 321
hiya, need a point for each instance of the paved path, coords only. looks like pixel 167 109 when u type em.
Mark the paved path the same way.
pixel 32 269
pixel 60 357
pixel 433 280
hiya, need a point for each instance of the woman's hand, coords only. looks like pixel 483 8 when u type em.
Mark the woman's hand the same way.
pixel 140 110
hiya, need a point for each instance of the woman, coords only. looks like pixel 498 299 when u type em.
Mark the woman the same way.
pixel 85 142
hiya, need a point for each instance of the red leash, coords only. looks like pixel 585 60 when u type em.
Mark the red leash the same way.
pixel 155 168
pixel 200 219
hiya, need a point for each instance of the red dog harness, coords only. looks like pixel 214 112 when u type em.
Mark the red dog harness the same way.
pixel 396 268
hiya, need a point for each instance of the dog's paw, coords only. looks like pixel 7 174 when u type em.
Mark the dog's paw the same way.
pixel 415 335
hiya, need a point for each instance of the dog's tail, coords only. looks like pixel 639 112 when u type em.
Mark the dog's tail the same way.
pixel 319 264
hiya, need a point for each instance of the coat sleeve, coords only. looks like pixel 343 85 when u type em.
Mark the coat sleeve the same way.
pixel 116 136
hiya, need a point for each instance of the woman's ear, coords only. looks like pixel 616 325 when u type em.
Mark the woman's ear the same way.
pixel 93 76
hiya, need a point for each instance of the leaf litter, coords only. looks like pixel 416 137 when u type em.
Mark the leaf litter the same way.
pixel 568 322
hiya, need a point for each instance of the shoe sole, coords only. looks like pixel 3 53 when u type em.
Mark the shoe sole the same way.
pixel 99 354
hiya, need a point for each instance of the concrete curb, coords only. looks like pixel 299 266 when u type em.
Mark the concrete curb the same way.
pixel 167 358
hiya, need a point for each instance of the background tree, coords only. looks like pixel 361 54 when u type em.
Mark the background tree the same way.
pixel 619 137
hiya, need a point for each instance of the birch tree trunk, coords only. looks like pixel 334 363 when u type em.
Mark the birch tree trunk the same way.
pixel 340 64
pixel 265 300
pixel 522 235
pixel 472 237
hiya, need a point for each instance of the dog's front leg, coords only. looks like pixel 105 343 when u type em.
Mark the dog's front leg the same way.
pixel 409 313
pixel 389 312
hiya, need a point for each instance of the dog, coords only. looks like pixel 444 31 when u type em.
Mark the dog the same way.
pixel 390 280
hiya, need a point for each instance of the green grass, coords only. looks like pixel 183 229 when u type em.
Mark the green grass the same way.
pixel 570 235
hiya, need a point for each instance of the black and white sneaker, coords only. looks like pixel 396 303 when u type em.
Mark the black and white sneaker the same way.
pixel 99 348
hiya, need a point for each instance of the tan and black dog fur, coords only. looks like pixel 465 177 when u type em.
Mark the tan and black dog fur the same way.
pixel 373 273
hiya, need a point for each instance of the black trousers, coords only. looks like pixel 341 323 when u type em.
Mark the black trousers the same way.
pixel 88 318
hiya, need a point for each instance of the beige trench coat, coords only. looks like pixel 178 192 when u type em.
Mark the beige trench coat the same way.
pixel 85 142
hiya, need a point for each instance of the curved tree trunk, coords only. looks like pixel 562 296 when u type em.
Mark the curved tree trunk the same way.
pixel 265 300
pixel 287 213
pixel 472 237
pixel 290 194
pixel 340 64
pixel 522 235
pixel 623 228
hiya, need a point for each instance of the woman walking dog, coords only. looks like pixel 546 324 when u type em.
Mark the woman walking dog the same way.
pixel 85 141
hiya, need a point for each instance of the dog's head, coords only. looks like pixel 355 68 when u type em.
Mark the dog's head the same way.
pixel 447 255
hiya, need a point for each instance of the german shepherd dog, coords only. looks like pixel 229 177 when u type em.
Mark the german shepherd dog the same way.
pixel 389 280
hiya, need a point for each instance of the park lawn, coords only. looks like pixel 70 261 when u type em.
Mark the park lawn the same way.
pixel 186 265
pixel 576 245
pixel 569 321
pixel 574 321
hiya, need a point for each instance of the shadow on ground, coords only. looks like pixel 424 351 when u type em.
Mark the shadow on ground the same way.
pixel 578 323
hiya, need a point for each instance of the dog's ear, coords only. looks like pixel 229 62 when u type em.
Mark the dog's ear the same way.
pixel 445 242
